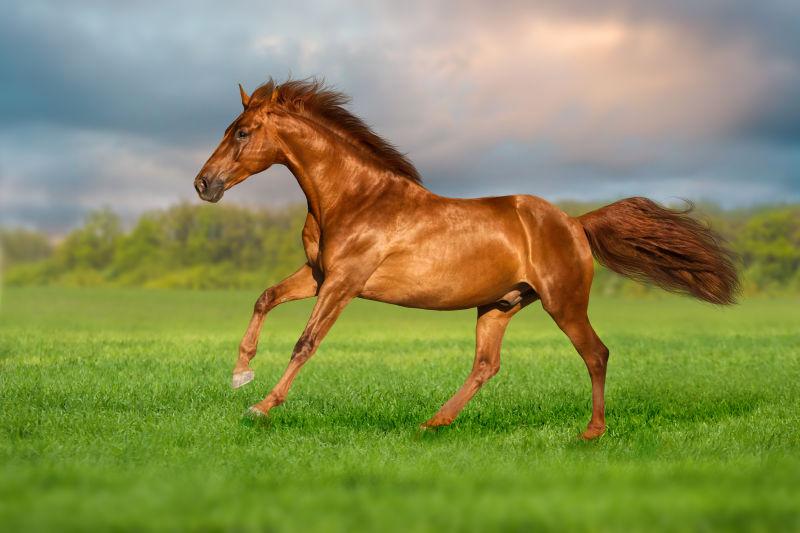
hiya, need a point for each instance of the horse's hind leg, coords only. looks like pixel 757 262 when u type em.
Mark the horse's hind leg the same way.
pixel 570 315
pixel 492 323
pixel 299 285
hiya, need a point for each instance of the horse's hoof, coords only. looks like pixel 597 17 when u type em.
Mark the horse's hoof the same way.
pixel 436 422
pixel 592 433
pixel 242 378
pixel 253 416
pixel 254 413
pixel 424 431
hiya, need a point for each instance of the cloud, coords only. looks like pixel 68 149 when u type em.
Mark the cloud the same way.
pixel 125 172
pixel 120 104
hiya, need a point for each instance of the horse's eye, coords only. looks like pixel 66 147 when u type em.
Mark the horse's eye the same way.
pixel 241 134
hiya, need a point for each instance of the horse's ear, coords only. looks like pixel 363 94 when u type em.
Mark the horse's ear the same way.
pixel 245 98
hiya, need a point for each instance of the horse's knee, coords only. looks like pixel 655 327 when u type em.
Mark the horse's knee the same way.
pixel 595 365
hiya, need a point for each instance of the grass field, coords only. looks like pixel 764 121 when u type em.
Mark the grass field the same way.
pixel 115 413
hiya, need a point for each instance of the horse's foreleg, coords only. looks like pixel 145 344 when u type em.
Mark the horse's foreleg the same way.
pixel 299 285
pixel 491 326
pixel 333 297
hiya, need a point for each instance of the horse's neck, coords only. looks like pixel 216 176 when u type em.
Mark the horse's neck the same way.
pixel 333 174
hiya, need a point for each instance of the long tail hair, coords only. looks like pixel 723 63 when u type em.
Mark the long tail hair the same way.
pixel 640 239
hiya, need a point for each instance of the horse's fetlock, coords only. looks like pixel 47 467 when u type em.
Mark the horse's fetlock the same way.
pixel 247 350
pixel 277 399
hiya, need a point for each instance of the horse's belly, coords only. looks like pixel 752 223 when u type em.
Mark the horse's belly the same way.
pixel 452 279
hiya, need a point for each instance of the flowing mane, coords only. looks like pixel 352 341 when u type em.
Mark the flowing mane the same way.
pixel 312 98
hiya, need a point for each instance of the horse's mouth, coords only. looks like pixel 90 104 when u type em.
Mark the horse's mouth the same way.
pixel 215 197
pixel 210 191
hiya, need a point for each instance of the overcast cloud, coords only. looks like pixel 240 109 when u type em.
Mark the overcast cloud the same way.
pixel 119 105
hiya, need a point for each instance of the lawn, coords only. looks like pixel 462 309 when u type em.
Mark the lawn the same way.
pixel 115 413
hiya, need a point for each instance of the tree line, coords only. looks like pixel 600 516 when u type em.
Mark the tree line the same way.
pixel 227 246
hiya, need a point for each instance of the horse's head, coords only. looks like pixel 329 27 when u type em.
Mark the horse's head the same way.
pixel 248 147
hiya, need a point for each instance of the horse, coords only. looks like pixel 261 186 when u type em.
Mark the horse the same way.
pixel 373 231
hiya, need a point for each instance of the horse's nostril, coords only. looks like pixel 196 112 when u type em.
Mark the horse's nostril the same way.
pixel 201 184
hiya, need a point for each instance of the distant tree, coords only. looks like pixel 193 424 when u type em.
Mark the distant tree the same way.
pixel 93 245
pixel 204 246
pixel 770 247
pixel 23 246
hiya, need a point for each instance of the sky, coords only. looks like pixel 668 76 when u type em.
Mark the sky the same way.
pixel 118 104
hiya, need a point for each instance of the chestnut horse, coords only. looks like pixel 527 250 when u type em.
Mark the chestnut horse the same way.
pixel 373 231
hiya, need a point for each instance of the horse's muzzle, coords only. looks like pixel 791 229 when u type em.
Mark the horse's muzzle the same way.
pixel 209 189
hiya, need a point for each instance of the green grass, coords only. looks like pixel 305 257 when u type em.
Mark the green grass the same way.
pixel 115 413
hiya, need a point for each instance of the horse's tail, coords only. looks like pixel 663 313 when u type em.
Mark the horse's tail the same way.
pixel 640 239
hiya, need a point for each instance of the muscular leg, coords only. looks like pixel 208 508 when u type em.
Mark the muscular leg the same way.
pixel 489 331
pixel 333 297
pixel 573 321
pixel 299 285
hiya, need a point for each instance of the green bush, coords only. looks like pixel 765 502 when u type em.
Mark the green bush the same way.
pixel 205 246
pixel 23 246
pixel 186 246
